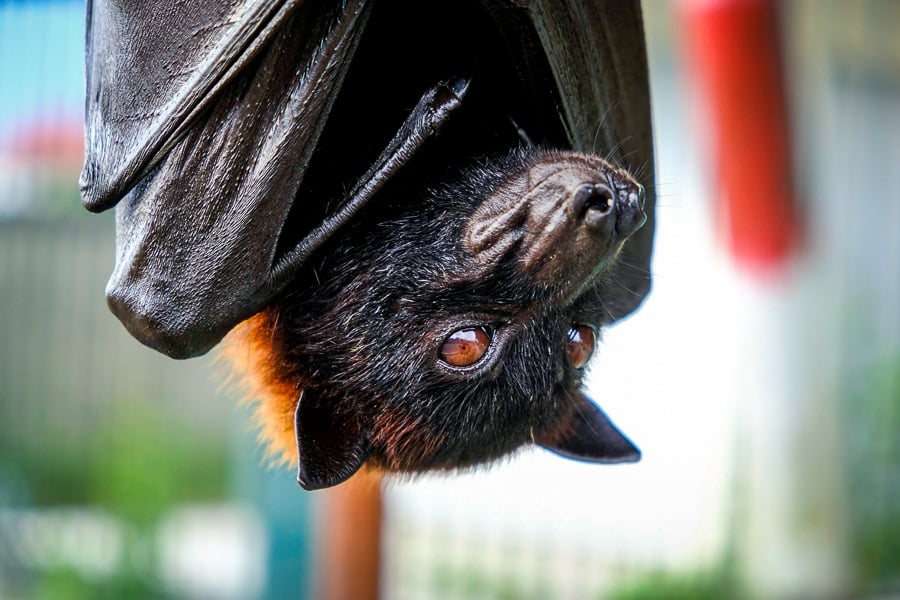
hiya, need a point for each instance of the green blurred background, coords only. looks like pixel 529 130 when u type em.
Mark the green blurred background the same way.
pixel 769 414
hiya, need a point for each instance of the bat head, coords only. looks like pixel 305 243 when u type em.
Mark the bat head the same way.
pixel 450 328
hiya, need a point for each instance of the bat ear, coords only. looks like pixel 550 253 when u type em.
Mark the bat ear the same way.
pixel 331 446
pixel 589 435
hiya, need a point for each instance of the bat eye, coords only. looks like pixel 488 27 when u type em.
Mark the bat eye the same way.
pixel 465 347
pixel 581 345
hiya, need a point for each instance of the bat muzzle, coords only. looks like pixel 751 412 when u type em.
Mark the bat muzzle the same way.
pixel 562 220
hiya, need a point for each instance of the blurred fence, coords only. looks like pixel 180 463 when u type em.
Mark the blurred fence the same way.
pixel 66 365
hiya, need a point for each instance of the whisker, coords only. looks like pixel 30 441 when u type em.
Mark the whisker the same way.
pixel 633 267
pixel 521 132
pixel 495 431
pixel 565 124
pixel 600 128
pixel 616 147
pixel 626 288
pixel 609 313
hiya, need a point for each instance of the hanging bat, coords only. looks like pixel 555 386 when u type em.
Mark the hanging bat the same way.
pixel 249 145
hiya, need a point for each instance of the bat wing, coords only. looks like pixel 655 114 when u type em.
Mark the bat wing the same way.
pixel 201 201
pixel 202 118
pixel 151 68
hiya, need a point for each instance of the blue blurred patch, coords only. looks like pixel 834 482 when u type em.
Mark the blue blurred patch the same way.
pixel 41 61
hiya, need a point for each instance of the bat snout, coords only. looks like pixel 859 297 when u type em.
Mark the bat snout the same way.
pixel 562 219
pixel 606 210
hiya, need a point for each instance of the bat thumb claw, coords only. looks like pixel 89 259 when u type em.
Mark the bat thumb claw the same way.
pixel 459 86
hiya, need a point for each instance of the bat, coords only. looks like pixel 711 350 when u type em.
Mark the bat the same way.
pixel 242 142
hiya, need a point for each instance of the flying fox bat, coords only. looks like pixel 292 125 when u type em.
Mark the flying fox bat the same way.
pixel 245 142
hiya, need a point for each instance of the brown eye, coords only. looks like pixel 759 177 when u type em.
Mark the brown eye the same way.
pixel 581 345
pixel 465 347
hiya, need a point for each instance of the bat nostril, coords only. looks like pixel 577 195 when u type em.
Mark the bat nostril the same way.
pixel 593 204
pixel 592 198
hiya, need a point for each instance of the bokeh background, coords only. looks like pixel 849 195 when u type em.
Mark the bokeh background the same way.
pixel 766 402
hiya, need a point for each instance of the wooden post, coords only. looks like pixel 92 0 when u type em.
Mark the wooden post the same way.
pixel 350 541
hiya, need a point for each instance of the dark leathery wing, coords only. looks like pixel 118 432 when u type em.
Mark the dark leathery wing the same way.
pixel 233 138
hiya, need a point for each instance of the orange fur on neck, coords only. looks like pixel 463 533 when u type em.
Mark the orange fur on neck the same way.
pixel 251 348
pixel 259 369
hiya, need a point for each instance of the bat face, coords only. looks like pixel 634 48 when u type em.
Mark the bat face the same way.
pixel 450 327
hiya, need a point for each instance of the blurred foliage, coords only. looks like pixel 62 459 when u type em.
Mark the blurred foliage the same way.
pixel 717 584
pixel 872 417
pixel 476 583
pixel 69 584
pixel 165 460
pixel 136 464
pixel 713 585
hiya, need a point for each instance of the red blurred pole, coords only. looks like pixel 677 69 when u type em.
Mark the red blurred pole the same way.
pixel 733 50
